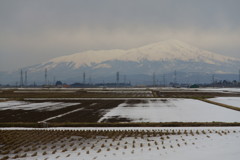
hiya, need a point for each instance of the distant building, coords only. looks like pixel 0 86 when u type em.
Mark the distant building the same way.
pixel 59 84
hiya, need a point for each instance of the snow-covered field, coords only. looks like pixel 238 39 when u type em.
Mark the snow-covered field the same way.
pixel 49 106
pixel 232 101
pixel 220 89
pixel 143 110
pixel 124 144
pixel 172 110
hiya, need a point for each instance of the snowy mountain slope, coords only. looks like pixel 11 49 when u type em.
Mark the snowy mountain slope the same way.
pixel 170 50
pixel 175 50
pixel 138 64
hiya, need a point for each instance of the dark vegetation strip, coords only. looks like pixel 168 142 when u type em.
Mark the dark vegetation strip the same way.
pixel 195 95
pixel 163 124
pixel 78 94
pixel 84 94
pixel 222 105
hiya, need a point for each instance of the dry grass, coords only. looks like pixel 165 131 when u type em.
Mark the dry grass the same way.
pixel 221 104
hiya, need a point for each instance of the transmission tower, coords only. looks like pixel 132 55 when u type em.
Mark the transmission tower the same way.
pixel 154 79
pixel 84 77
pixel 213 80
pixel 25 78
pixel 239 76
pixel 117 77
pixel 54 80
pixel 164 80
pixel 175 77
pixel 45 76
pixel 124 79
pixel 21 79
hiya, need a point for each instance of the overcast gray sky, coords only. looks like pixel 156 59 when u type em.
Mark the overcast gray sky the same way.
pixel 33 31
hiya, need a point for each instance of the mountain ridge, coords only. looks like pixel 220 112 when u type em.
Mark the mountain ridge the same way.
pixel 159 51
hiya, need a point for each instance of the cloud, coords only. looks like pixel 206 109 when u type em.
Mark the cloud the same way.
pixel 34 31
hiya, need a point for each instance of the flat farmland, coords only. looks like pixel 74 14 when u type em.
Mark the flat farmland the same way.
pixel 171 110
pixel 20 93
pixel 110 110
pixel 113 124
pixel 184 143
pixel 233 101
pixel 70 111
pixel 114 105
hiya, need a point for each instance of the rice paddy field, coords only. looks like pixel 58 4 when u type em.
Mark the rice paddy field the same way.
pixel 120 143
pixel 206 124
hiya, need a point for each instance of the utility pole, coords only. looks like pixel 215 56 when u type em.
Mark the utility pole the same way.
pixel 25 78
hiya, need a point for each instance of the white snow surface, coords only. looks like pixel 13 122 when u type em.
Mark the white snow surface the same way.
pixel 172 110
pixel 49 106
pixel 237 90
pixel 232 101
pixel 197 147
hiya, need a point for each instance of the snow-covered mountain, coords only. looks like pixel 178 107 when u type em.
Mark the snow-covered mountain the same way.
pixel 170 50
pixel 162 57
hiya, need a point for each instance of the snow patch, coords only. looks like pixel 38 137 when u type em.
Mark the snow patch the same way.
pixel 173 110
pixel 232 101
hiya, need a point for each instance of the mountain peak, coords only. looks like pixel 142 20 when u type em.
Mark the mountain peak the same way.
pixel 169 42
pixel 174 50
pixel 168 50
